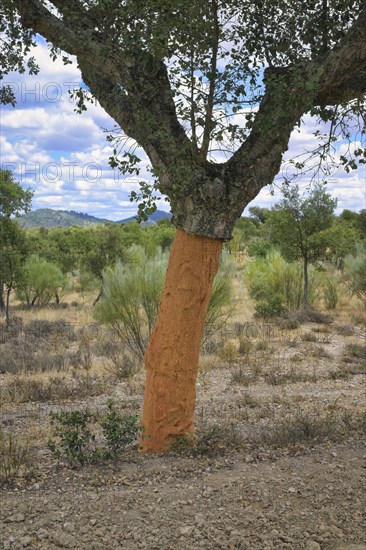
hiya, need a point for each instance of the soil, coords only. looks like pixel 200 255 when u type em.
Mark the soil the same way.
pixel 248 493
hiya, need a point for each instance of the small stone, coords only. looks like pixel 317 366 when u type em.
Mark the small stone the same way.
pixel 312 545
pixel 335 530
pixel 16 518
pixel 351 547
pixel 292 490
pixel 64 540
pixel 186 530
pixel 25 541
pixel 199 519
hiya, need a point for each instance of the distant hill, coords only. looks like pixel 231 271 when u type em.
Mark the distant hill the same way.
pixel 153 219
pixel 47 217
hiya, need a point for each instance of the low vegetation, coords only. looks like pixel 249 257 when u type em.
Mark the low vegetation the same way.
pixel 263 354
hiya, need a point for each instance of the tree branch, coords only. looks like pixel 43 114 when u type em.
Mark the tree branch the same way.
pixel 337 78
pixel 211 93
pixel 36 17
pixel 343 69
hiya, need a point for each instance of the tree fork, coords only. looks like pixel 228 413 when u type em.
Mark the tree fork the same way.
pixel 172 356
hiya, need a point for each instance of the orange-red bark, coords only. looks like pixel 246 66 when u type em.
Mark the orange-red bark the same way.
pixel 172 356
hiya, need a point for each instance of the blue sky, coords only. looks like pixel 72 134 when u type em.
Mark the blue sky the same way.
pixel 63 156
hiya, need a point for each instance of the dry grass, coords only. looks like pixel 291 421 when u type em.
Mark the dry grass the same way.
pixel 282 364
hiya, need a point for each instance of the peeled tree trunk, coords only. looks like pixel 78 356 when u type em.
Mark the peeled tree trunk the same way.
pixel 172 356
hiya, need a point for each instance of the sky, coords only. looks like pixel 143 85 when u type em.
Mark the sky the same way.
pixel 63 156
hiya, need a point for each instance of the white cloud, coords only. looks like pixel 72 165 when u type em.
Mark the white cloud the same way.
pixel 64 156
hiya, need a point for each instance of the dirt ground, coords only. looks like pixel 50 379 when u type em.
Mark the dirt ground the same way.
pixel 281 463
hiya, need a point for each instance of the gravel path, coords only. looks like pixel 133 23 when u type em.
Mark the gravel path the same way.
pixel 313 500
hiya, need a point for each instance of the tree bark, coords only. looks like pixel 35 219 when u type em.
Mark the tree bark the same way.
pixel 2 302
pixel 7 305
pixel 306 285
pixel 172 356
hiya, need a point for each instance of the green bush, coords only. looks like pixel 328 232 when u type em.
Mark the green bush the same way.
pixel 72 428
pixel 130 299
pixel 259 249
pixel 131 296
pixel 355 273
pixel 76 441
pixel 40 282
pixel 120 430
pixel 277 285
pixel 271 307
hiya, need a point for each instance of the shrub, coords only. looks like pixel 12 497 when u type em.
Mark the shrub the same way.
pixel 75 437
pixel 270 307
pixel 130 299
pixel 355 273
pixel 131 296
pixel 277 285
pixel 330 293
pixel 228 352
pixel 299 428
pixel 13 456
pixel 76 440
pixel 120 430
pixel 241 377
pixel 41 281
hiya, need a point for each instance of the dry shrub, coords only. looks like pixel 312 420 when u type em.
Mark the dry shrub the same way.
pixel 242 377
pixel 14 455
pixel 22 389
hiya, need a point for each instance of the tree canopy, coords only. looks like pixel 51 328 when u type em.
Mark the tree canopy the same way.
pixel 13 198
pixel 233 79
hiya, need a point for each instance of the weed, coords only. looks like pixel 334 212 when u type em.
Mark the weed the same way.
pixel 355 354
pixel 204 374
pixel 275 378
pixel 261 345
pixel 241 377
pixel 308 337
pixel 228 352
pixel 299 428
pixel 119 430
pixel 213 439
pixel 288 321
pixel 13 456
pixel 330 295
pixel 339 374
pixel 245 345
pixel 248 400
pixel 355 350
pixel 319 351
pixel 292 343
pixel 123 366
pixel 345 330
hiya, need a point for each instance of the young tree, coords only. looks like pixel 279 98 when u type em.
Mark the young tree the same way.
pixel 238 73
pixel 298 226
pixel 13 200
pixel 13 252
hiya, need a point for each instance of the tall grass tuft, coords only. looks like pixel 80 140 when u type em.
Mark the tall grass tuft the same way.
pixel 355 273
